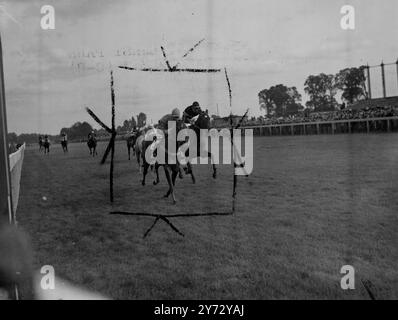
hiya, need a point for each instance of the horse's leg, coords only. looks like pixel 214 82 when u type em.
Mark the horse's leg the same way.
pixel 190 171
pixel 175 172
pixel 157 174
pixel 210 155
pixel 139 160
pixel 146 166
pixel 169 181
pixel 128 149
pixel 152 168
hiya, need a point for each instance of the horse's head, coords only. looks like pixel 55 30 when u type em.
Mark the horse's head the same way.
pixel 202 121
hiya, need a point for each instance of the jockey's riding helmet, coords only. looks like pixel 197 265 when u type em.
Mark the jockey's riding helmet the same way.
pixel 195 104
pixel 176 113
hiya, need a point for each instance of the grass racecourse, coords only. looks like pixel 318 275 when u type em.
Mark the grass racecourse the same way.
pixel 311 205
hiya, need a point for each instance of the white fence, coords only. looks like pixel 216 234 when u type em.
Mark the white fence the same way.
pixel 16 161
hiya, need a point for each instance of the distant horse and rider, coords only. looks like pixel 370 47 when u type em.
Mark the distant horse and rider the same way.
pixel 41 142
pixel 46 144
pixel 131 139
pixel 92 143
pixel 64 142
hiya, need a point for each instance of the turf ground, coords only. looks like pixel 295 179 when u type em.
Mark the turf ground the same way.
pixel 311 205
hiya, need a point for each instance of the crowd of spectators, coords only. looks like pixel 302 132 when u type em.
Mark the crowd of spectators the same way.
pixel 346 114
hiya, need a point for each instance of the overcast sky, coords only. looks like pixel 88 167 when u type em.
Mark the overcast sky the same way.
pixel 260 42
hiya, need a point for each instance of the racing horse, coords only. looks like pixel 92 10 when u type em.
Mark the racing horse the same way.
pixel 131 139
pixel 92 145
pixel 64 145
pixel 197 119
pixel 140 148
pixel 64 142
pixel 40 143
pixel 171 170
pixel 46 145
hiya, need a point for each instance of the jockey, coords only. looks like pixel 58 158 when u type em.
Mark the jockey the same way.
pixel 173 116
pixel 64 136
pixel 91 135
pixel 190 112
pixel 134 131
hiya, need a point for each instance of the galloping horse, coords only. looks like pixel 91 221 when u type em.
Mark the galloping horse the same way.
pixel 64 143
pixel 197 119
pixel 46 145
pixel 40 143
pixel 171 170
pixel 139 149
pixel 92 145
pixel 131 139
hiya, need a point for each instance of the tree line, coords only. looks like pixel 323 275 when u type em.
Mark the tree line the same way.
pixel 322 89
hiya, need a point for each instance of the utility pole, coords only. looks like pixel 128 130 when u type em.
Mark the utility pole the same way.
pixel 397 70
pixel 6 215
pixel 383 80
pixel 6 209
pixel 369 87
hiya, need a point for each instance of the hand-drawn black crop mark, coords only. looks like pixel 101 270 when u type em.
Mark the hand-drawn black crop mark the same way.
pixel 112 132
pixel 166 218
pixel 174 68
pixel 111 145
